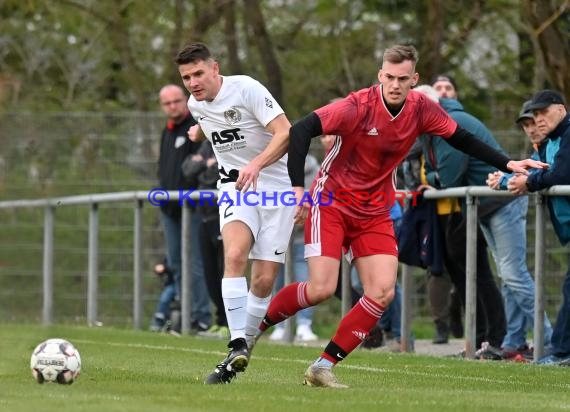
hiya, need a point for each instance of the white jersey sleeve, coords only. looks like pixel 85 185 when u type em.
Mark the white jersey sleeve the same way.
pixel 235 123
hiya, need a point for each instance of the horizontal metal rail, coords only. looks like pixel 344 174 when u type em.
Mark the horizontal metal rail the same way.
pixel 139 198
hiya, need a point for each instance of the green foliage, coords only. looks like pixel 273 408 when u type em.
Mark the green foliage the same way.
pixel 108 56
pixel 124 370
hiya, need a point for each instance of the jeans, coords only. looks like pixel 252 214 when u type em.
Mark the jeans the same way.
pixel 301 273
pixel 561 335
pixel 505 233
pixel 162 313
pixel 173 236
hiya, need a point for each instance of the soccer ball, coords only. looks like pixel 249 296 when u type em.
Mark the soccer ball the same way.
pixel 55 360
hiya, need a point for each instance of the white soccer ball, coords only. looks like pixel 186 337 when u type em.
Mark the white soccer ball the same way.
pixel 55 360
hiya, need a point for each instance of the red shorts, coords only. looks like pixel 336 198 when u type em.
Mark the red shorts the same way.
pixel 328 231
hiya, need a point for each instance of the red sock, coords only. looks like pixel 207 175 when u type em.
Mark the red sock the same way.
pixel 288 301
pixel 353 329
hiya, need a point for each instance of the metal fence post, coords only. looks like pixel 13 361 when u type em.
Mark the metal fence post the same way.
pixel 185 283
pixel 406 344
pixel 346 289
pixel 289 277
pixel 93 253
pixel 47 311
pixel 539 278
pixel 137 265
pixel 471 276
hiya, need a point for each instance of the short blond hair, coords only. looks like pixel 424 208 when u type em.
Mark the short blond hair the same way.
pixel 400 53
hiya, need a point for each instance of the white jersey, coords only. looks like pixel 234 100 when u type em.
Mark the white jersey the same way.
pixel 234 122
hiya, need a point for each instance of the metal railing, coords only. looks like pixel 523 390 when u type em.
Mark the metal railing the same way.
pixel 140 197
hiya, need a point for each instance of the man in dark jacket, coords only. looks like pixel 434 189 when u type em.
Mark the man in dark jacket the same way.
pixel 438 155
pixel 503 223
pixel 550 115
pixel 174 148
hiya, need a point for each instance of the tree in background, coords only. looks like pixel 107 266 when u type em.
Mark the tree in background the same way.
pixel 108 56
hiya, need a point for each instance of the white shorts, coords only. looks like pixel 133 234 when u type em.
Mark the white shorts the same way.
pixel 269 219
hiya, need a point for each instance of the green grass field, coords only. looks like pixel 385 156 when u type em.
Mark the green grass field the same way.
pixel 125 370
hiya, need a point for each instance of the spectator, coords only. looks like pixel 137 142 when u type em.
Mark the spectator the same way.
pixel 203 167
pixel 503 223
pixel 439 283
pixel 174 148
pixel 553 121
pixel 161 319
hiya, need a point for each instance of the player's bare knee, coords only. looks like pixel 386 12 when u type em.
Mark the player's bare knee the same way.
pixel 386 297
pixel 318 293
pixel 235 259
pixel 261 285
pixel 383 297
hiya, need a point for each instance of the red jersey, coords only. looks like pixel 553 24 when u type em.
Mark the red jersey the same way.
pixel 358 172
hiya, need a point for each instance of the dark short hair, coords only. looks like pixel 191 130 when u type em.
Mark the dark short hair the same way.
pixel 400 53
pixel 192 53
pixel 445 78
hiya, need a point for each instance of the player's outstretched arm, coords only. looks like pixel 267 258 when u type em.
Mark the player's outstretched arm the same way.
pixel 468 143
pixel 300 137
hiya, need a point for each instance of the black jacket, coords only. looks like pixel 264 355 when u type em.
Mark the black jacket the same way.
pixel 420 241
pixel 206 177
pixel 174 148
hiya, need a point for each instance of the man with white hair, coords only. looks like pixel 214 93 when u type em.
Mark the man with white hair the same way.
pixel 552 119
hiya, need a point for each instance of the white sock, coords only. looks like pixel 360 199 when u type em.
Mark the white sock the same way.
pixel 256 310
pixel 234 292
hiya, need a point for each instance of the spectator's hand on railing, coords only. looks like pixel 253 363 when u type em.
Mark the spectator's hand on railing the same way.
pixel 494 179
pixel 521 166
pixel 422 187
pixel 517 184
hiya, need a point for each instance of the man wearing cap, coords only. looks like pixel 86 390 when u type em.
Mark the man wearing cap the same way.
pixel 503 223
pixel 525 119
pixel 552 120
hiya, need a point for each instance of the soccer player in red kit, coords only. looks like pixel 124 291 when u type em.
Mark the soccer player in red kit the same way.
pixel 353 193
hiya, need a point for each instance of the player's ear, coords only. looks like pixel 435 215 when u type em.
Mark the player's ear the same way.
pixel 415 80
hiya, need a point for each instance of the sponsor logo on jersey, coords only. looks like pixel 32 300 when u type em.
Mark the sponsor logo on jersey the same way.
pixel 232 115
pixel 269 103
pixel 226 136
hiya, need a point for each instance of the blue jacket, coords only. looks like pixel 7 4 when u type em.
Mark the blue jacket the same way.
pixel 448 167
pixel 556 152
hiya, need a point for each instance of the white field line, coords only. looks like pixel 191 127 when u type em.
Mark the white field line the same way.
pixel 430 373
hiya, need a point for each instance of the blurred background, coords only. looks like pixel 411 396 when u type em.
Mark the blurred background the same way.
pixel 79 110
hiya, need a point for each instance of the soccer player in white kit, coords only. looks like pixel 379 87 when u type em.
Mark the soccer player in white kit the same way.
pixel 240 117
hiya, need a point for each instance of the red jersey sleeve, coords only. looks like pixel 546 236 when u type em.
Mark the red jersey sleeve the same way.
pixel 338 118
pixel 436 121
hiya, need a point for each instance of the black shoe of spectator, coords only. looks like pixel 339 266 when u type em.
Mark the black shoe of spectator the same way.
pixel 375 339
